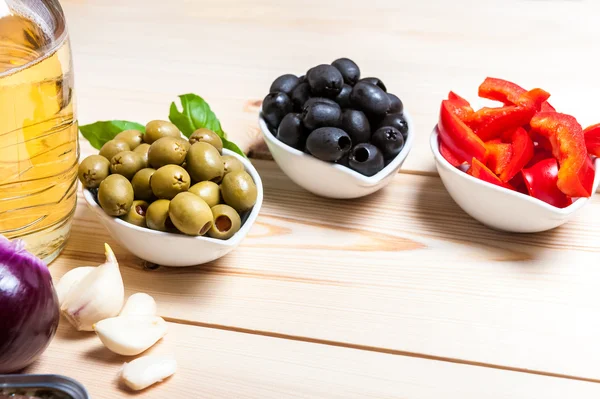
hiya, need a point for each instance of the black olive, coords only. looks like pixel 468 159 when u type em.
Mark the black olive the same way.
pixel 370 99
pixel 300 95
pixel 356 124
pixel 366 159
pixel 315 100
pixel 397 121
pixel 291 131
pixel 396 105
pixel 328 143
pixel 321 115
pixel 375 81
pixel 344 160
pixel 325 80
pixel 302 79
pixel 284 84
pixel 275 107
pixel 349 70
pixel 343 99
pixel 389 141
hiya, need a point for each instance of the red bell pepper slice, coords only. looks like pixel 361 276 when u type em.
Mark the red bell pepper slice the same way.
pixel 534 98
pixel 457 99
pixel 587 174
pixel 591 135
pixel 539 154
pixel 511 93
pixel 490 123
pixel 519 184
pixel 461 108
pixel 541 179
pixel 449 155
pixel 501 90
pixel 457 136
pixel 568 147
pixel 522 152
pixel 499 155
pixel 546 107
pixel 480 171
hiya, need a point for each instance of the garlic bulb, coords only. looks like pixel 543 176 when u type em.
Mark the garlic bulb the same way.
pixel 97 296
pixel 69 280
pixel 130 335
pixel 139 304
pixel 147 370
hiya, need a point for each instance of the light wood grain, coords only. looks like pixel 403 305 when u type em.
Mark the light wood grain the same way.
pixel 368 298
pixel 224 364
pixel 133 58
pixel 404 270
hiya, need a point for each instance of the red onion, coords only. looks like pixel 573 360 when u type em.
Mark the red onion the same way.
pixel 29 310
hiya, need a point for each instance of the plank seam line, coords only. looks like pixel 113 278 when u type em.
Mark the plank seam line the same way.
pixel 369 348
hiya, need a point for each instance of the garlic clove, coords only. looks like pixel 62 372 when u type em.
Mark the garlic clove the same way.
pixel 130 335
pixel 69 280
pixel 97 296
pixel 139 304
pixel 147 370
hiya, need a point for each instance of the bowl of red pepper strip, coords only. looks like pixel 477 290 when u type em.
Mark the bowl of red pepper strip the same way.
pixel 521 167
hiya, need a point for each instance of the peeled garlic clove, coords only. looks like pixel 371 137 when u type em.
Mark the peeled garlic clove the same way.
pixel 147 370
pixel 69 280
pixel 130 335
pixel 139 304
pixel 97 296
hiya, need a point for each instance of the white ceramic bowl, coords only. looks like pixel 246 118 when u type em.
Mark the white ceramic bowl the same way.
pixel 328 179
pixel 500 208
pixel 170 249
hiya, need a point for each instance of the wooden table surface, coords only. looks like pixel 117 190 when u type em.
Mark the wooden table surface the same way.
pixel 397 295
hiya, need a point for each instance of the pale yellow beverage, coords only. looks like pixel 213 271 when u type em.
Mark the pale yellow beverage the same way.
pixel 38 130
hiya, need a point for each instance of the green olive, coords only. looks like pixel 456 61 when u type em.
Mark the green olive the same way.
pixel 113 147
pixel 232 164
pixel 158 129
pixel 169 181
pixel 239 191
pixel 166 151
pixel 115 195
pixel 157 216
pixel 126 163
pixel 208 191
pixel 93 170
pixel 142 149
pixel 132 137
pixel 207 136
pixel 204 162
pixel 141 184
pixel 186 144
pixel 137 213
pixel 190 214
pixel 226 222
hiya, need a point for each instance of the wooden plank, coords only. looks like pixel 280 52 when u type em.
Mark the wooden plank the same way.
pixel 230 51
pixel 405 270
pixel 225 364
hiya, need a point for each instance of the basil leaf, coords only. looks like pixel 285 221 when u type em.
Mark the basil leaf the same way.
pixel 195 114
pixel 230 145
pixel 100 132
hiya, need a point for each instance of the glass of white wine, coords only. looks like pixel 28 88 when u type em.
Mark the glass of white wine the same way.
pixel 38 127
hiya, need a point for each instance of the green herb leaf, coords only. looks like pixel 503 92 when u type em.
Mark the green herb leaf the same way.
pixel 195 114
pixel 100 132
pixel 230 145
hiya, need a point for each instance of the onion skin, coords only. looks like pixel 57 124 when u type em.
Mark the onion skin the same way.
pixel 29 311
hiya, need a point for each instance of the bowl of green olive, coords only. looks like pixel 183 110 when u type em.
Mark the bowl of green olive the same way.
pixel 170 200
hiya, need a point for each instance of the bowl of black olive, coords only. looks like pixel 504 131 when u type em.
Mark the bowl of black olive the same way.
pixel 334 133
